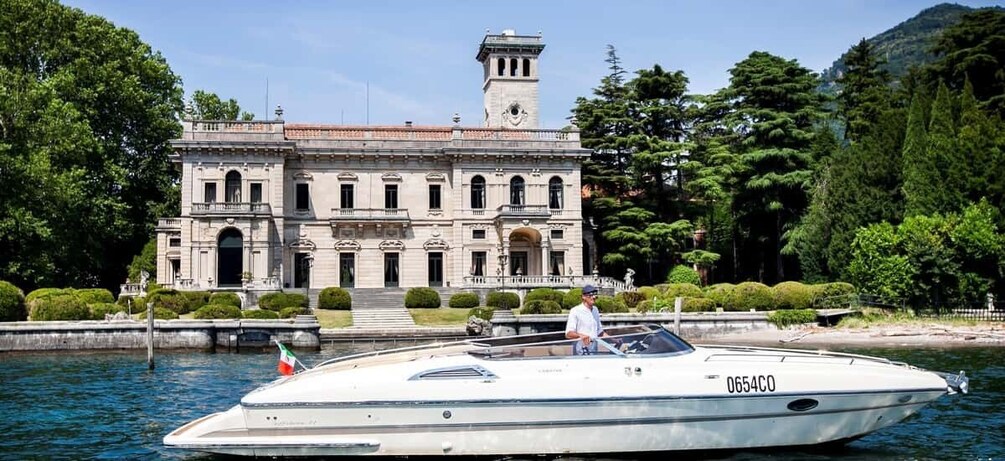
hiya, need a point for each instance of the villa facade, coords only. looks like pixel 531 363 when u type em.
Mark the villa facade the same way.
pixel 268 205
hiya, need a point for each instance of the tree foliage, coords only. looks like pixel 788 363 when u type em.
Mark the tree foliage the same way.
pixel 86 112
pixel 209 106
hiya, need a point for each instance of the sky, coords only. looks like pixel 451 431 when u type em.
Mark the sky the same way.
pixel 384 62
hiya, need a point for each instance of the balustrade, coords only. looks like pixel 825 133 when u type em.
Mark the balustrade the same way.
pixel 231 208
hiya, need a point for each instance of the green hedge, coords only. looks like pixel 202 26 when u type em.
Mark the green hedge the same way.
pixel 792 317
pixel 196 299
pixel 829 290
pixel 484 313
pixel 630 298
pixel 649 292
pixel 99 310
pixel 225 298
pixel 698 305
pixel 260 314
pixel 792 295
pixel 572 298
pixel 12 307
pixel 170 299
pixel 719 293
pixel 541 306
pixel 502 300
pixel 422 298
pixel 544 294
pixel 46 292
pixel 750 295
pixel 645 306
pixel 278 301
pixel 464 300
pixel 292 312
pixel 64 306
pixel 95 295
pixel 683 274
pixel 335 298
pixel 161 313
pixel 687 290
pixel 609 305
pixel 218 311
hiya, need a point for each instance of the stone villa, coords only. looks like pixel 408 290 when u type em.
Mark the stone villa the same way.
pixel 269 205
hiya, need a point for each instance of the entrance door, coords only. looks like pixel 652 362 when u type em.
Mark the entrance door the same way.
pixel 390 270
pixel 436 269
pixel 518 263
pixel 347 270
pixel 301 270
pixel 230 258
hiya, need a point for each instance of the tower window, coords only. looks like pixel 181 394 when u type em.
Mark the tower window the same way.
pixel 478 193
pixel 302 197
pixel 512 67
pixel 555 193
pixel 516 191
pixel 526 67
pixel 502 66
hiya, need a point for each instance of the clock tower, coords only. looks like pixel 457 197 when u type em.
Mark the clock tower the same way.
pixel 510 68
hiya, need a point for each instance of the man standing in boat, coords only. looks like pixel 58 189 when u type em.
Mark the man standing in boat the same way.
pixel 584 323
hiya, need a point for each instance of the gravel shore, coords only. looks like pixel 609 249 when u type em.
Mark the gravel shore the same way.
pixel 908 335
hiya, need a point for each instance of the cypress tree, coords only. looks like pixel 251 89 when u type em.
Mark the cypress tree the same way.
pixel 950 175
pixel 920 175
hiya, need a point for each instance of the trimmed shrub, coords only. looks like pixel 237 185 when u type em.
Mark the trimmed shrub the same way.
pixel 196 299
pixel 99 310
pixel 422 298
pixel 45 292
pixel 541 306
pixel 687 290
pixel 630 299
pixel 750 295
pixel 609 305
pixel 292 312
pixel 464 300
pixel 335 298
pixel 683 274
pixel 95 295
pixel 792 317
pixel 572 298
pixel 260 314
pixel 169 299
pixel 698 305
pixel 829 290
pixel 792 295
pixel 64 306
pixel 544 294
pixel 225 298
pixel 649 292
pixel 719 293
pixel 645 306
pixel 12 308
pixel 502 300
pixel 161 313
pixel 484 313
pixel 278 301
pixel 661 287
pixel 218 311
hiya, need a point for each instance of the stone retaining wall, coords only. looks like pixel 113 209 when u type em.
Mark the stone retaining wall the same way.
pixel 168 334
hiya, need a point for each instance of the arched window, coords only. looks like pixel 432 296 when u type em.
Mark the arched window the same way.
pixel 478 193
pixel 233 187
pixel 512 67
pixel 502 66
pixel 555 201
pixel 526 67
pixel 516 191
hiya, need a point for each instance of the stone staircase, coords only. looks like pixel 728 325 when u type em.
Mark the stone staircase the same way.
pixel 381 308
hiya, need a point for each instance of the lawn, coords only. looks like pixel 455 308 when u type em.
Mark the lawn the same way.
pixel 440 317
pixel 333 318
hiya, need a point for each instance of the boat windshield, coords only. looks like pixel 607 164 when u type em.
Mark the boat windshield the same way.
pixel 622 342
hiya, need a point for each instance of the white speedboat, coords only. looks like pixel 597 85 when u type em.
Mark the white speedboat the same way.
pixel 645 390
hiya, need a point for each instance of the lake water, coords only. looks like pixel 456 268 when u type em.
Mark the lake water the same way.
pixel 109 406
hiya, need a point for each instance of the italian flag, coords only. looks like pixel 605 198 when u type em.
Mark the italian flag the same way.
pixel 287 361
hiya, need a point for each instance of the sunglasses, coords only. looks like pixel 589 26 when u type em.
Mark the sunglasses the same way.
pixel 590 295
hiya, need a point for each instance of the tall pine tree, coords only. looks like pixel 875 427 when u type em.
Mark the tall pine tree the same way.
pixel 920 169
pixel 865 91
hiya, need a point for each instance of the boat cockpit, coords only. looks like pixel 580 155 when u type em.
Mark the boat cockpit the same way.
pixel 621 342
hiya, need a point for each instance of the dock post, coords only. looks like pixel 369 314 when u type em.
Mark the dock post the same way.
pixel 678 304
pixel 150 335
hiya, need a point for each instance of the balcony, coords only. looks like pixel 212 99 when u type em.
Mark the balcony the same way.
pixel 523 211
pixel 168 224
pixel 231 209
pixel 607 284
pixel 370 215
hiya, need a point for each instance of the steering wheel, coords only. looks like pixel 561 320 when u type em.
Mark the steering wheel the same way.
pixel 640 345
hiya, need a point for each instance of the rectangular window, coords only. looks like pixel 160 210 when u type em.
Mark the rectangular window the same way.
pixel 303 197
pixel 434 196
pixel 556 264
pixel 557 234
pixel 391 276
pixel 210 192
pixel 435 269
pixel 390 196
pixel 478 263
pixel 478 233
pixel 256 192
pixel 174 242
pixel 346 200
pixel 347 270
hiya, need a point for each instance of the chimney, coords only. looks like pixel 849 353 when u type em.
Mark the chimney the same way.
pixel 408 123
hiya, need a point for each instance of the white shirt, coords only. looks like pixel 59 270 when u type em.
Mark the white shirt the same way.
pixel 585 321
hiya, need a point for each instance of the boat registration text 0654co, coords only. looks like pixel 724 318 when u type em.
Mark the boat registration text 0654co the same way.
pixel 756 383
